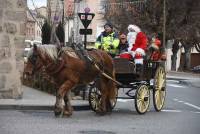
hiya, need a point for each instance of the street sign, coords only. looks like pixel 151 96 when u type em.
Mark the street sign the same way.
pixel 85 31
pixel 86 18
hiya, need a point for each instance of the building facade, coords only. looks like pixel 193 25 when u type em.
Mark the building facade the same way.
pixel 12 36
pixel 73 23
pixel 55 10
pixel 35 20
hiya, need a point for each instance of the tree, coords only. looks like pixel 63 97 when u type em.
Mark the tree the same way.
pixel 182 20
pixel 60 32
pixel 183 23
pixel 46 33
pixel 145 13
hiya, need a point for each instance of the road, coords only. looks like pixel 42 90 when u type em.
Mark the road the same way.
pixel 181 115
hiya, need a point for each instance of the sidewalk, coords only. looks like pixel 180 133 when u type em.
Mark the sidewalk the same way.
pixel 188 78
pixel 37 100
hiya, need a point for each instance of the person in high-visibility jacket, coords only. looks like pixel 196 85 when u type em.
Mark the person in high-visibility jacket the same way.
pixel 108 40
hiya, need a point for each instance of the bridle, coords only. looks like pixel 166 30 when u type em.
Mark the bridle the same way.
pixel 33 60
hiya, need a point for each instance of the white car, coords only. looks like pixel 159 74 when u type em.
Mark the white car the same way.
pixel 28 45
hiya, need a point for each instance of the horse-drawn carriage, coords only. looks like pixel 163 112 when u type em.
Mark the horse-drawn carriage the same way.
pixel 152 77
pixel 68 71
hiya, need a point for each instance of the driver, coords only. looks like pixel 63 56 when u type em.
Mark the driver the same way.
pixel 108 40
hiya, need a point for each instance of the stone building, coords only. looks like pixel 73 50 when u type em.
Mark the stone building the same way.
pixel 30 27
pixel 35 21
pixel 12 36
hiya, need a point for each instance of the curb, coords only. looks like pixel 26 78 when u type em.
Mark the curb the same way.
pixel 48 108
pixel 187 82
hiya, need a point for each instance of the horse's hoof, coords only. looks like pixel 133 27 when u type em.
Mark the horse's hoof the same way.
pixel 101 113
pixel 58 113
pixel 109 112
pixel 67 114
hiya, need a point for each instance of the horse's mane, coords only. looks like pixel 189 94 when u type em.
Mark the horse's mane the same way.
pixel 52 51
pixel 49 50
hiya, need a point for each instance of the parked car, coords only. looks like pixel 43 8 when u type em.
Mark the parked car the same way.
pixel 196 69
pixel 28 45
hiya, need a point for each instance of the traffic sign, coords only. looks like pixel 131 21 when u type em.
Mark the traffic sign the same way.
pixel 86 18
pixel 85 31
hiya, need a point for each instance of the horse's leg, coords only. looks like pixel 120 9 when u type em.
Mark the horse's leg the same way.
pixel 112 91
pixel 68 107
pixel 102 107
pixel 64 88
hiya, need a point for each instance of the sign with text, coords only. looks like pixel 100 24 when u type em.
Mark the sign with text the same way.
pixel 85 31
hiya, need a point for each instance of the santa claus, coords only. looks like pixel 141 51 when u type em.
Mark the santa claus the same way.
pixel 139 48
pixel 140 45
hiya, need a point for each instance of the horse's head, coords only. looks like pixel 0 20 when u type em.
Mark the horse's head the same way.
pixel 34 62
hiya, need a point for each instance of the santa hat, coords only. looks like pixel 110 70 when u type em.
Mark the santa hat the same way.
pixel 134 27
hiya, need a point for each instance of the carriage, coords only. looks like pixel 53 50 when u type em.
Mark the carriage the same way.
pixel 69 71
pixel 152 78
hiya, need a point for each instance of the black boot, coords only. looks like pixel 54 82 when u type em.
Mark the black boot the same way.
pixel 139 70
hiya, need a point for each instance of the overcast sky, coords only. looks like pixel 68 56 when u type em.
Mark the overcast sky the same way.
pixel 38 3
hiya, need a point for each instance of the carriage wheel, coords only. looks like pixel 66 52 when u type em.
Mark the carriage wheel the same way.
pixel 95 98
pixel 142 99
pixel 159 91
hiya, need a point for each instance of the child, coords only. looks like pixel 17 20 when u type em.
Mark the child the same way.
pixel 123 47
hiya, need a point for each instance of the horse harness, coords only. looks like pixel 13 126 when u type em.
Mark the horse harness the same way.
pixel 55 67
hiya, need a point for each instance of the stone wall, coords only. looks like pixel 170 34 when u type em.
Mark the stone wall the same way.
pixel 12 36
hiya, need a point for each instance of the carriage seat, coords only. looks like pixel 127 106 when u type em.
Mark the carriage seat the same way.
pixel 123 65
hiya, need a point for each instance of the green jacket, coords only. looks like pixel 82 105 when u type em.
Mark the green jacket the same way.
pixel 108 42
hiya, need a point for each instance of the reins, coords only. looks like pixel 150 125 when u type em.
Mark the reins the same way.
pixel 106 75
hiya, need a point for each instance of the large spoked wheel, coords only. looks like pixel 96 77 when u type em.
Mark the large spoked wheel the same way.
pixel 142 99
pixel 159 90
pixel 95 98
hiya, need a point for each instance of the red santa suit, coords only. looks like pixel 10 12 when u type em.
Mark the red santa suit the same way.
pixel 140 46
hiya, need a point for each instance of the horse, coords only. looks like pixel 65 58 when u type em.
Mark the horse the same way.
pixel 68 71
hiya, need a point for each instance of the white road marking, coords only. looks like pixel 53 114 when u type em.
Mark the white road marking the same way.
pixel 195 112
pixel 173 111
pixel 175 99
pixel 175 81
pixel 174 85
pixel 124 100
pixel 187 103
pixel 191 105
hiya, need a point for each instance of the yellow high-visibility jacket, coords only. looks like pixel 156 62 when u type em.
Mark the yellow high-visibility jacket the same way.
pixel 108 42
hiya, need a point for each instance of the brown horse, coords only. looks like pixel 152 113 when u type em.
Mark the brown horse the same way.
pixel 68 70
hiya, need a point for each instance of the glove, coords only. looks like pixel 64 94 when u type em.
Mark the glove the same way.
pixel 100 46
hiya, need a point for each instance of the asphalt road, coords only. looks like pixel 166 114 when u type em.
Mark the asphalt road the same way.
pixel 181 115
